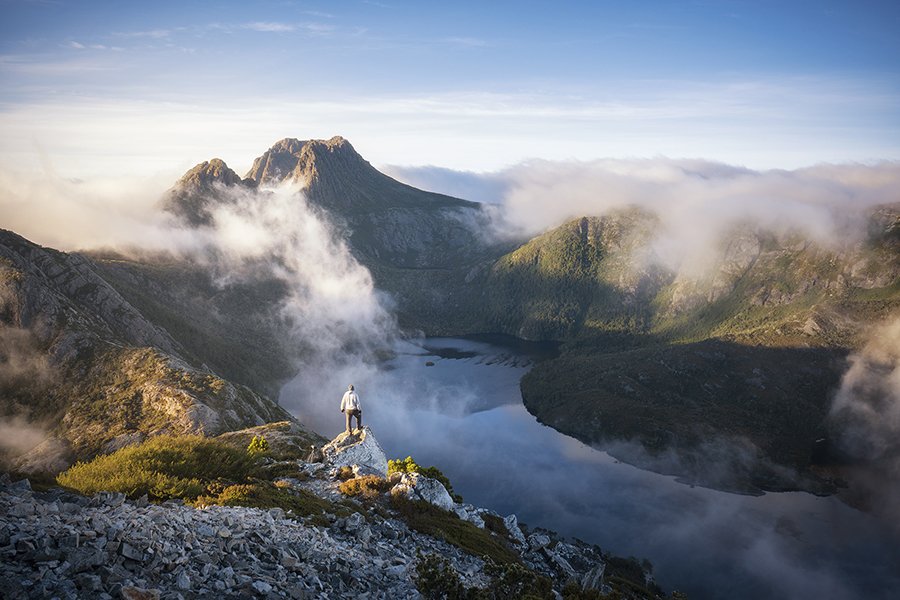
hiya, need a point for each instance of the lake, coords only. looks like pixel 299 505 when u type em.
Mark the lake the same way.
pixel 455 403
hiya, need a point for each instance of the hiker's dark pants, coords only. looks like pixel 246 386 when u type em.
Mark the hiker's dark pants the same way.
pixel 353 413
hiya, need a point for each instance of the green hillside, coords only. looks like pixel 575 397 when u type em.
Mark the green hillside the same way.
pixel 743 357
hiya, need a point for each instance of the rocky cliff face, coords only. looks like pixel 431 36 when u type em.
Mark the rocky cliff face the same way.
pixel 86 366
pixel 388 224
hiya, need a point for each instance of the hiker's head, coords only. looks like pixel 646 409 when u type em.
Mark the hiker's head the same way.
pixel 350 387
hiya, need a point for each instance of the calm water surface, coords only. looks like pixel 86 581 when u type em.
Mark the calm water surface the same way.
pixel 455 403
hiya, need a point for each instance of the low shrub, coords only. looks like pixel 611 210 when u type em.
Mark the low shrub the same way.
pixel 437 522
pixel 512 580
pixel 574 591
pixel 258 445
pixel 628 574
pixel 367 487
pixel 265 495
pixel 162 467
pixel 345 473
pixel 436 579
pixel 495 524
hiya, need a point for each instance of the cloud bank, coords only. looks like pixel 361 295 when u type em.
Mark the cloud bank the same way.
pixel 333 317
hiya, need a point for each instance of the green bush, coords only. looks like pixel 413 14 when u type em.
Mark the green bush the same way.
pixel 261 494
pixel 258 445
pixel 408 465
pixel 573 591
pixel 162 467
pixel 512 580
pixel 495 524
pixel 436 579
pixel 367 487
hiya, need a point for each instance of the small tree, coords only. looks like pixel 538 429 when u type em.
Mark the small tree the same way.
pixel 258 445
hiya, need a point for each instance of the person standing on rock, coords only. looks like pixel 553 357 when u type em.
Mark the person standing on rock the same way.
pixel 350 407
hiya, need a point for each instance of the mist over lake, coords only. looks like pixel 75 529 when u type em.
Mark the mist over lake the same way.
pixel 455 403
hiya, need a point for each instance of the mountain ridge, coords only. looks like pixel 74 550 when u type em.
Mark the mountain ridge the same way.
pixel 85 366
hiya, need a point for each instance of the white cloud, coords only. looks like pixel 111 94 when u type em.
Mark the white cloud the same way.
pixel 150 33
pixel 269 26
pixel 761 126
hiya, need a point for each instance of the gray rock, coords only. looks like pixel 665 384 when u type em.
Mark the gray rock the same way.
pixel 354 522
pixel 418 487
pixel 561 563
pixel 469 513
pixel 89 583
pixel 360 450
pixel 512 525
pixel 183 581
pixel 135 593
pixel 17 487
pixel 131 552
pixel 112 498
pixel 85 558
pixel 593 579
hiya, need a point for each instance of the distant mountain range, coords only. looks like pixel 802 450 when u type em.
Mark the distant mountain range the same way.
pixel 738 362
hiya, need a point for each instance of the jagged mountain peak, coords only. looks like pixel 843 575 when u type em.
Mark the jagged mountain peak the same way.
pixel 299 160
pixel 191 195
pixel 208 172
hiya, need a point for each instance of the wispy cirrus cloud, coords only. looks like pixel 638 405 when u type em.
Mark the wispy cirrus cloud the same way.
pixel 75 45
pixel 155 34
pixel 269 27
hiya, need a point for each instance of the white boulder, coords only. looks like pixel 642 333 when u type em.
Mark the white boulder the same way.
pixel 418 487
pixel 361 450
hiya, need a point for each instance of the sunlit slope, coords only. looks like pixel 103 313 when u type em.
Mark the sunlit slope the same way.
pixel 746 351
pixel 92 371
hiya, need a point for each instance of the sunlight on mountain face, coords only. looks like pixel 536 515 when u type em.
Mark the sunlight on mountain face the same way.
pixel 630 270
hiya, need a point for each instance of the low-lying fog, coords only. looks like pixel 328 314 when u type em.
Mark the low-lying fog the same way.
pixel 465 415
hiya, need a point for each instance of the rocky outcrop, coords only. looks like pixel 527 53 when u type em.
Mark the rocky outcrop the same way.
pixel 286 439
pixel 416 486
pixel 358 449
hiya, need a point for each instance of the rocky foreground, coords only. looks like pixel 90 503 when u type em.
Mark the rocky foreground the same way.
pixel 55 544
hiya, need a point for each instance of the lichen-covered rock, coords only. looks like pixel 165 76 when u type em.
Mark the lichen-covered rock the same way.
pixel 360 449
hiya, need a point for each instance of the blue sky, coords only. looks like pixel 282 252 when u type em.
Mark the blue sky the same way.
pixel 99 87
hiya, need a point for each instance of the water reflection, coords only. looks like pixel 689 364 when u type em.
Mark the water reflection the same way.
pixel 465 415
